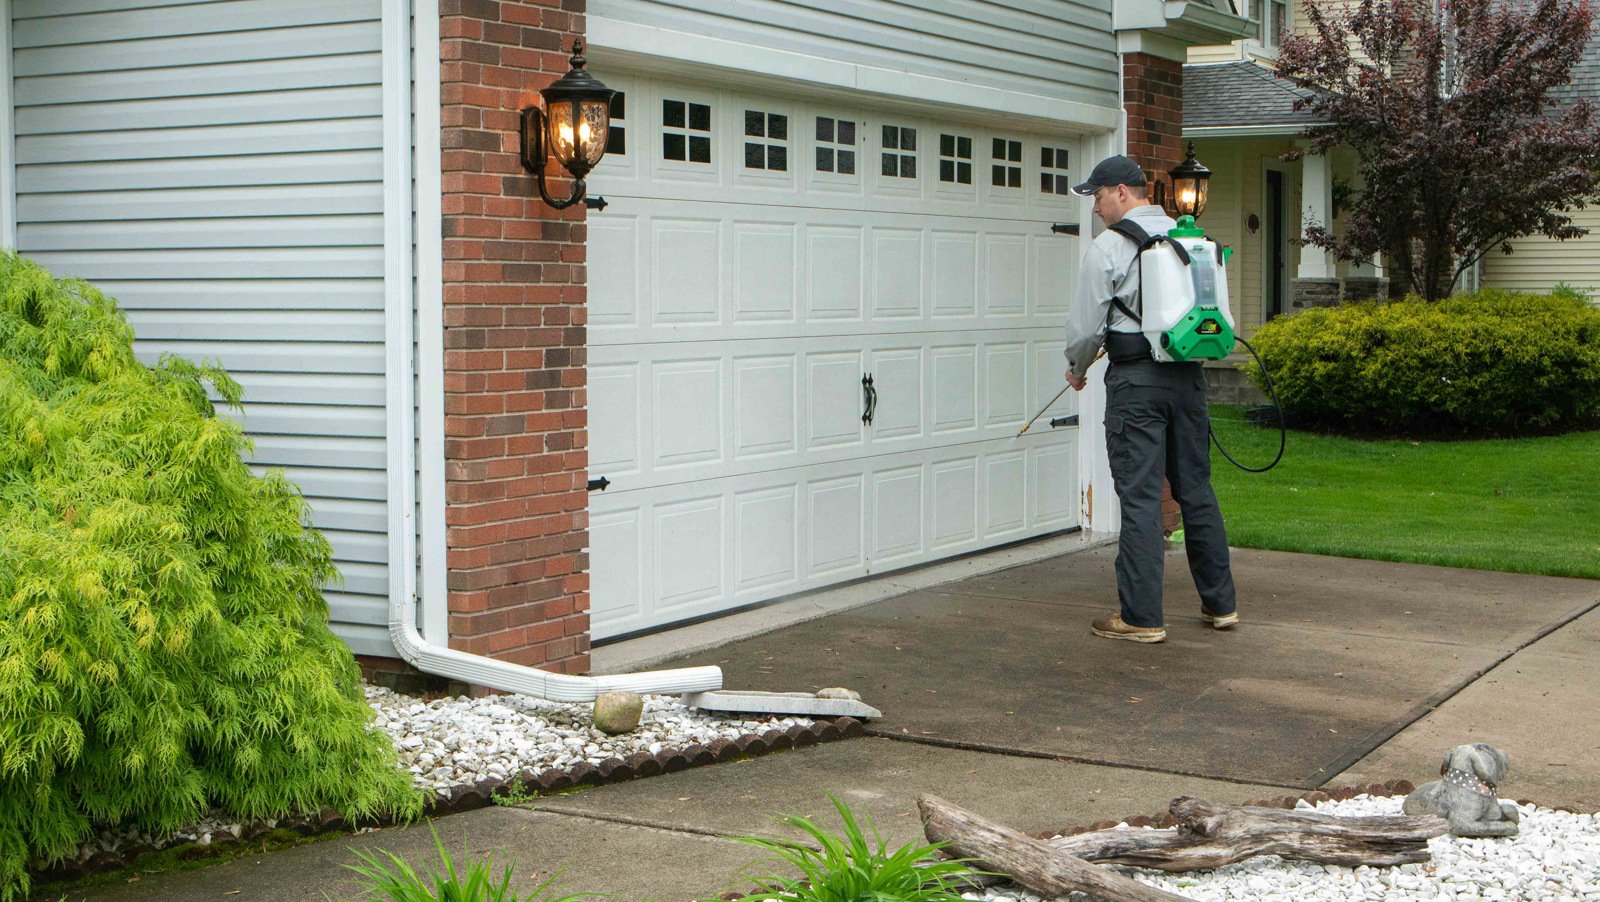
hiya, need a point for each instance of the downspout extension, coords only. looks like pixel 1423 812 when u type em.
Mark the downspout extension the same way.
pixel 556 687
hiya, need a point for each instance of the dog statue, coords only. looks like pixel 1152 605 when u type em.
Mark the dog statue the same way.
pixel 1466 796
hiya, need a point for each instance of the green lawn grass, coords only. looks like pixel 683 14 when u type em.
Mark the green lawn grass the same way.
pixel 1519 505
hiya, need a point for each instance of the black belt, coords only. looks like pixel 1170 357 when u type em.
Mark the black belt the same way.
pixel 1127 347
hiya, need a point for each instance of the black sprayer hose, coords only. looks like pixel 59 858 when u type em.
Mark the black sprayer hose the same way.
pixel 1283 429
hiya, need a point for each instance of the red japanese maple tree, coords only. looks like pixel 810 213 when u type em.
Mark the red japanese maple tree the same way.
pixel 1448 105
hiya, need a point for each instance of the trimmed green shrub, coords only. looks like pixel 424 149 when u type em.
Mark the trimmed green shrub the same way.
pixel 1491 363
pixel 164 644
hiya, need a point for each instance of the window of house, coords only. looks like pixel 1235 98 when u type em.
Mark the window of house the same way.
pixel 1272 20
pixel 836 146
pixel 1053 175
pixel 1006 168
pixel 686 131
pixel 899 152
pixel 766 141
pixel 617 133
pixel 955 159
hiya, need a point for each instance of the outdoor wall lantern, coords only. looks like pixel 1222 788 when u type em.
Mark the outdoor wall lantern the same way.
pixel 572 125
pixel 1189 180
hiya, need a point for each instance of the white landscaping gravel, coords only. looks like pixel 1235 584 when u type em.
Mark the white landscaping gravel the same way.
pixel 1556 856
pixel 453 742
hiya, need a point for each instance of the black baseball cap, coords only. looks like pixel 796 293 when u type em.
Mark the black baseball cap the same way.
pixel 1110 171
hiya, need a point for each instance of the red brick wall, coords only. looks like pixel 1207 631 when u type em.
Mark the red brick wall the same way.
pixel 514 316
pixel 1152 94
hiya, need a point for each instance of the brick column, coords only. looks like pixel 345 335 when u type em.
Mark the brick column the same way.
pixel 514 315
pixel 1152 95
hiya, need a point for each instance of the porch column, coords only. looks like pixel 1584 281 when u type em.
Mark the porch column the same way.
pixel 1316 284
pixel 1364 281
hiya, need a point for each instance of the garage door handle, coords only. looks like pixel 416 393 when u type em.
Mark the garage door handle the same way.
pixel 1069 420
pixel 869 398
pixel 600 484
pixel 1065 228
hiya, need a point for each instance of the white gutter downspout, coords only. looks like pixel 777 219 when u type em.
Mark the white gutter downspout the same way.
pixel 8 167
pixel 403 416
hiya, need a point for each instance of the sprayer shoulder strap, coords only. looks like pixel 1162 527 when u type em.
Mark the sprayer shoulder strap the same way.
pixel 1143 241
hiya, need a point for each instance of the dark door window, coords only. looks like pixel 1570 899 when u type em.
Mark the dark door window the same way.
pixel 1277 251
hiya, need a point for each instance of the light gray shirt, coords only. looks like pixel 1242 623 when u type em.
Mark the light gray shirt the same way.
pixel 1107 272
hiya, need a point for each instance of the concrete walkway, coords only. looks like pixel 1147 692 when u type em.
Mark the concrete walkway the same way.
pixel 996 697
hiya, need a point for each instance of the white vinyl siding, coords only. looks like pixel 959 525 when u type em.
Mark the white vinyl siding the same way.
pixel 217 167
pixel 1062 49
pixel 1538 264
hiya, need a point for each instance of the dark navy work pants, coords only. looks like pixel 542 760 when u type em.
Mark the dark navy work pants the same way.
pixel 1157 426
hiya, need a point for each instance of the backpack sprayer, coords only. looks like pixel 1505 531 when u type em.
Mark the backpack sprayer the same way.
pixel 1185 313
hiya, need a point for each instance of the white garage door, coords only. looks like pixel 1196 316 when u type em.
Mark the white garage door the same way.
pixel 763 255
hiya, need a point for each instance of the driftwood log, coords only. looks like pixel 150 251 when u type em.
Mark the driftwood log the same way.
pixel 1033 864
pixel 1210 835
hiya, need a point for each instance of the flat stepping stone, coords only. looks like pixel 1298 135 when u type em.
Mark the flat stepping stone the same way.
pixel 799 703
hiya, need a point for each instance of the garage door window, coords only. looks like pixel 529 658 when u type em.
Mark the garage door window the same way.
pixel 836 145
pixel 686 131
pixel 766 143
pixel 899 152
pixel 1007 166
pixel 1053 175
pixel 955 159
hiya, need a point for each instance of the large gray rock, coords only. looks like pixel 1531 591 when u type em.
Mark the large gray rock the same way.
pixel 616 713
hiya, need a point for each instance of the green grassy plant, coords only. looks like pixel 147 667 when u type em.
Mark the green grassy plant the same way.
pixel 164 641
pixel 386 877
pixel 847 868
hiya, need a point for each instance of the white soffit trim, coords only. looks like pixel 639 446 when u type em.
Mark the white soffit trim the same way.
pixel 645 47
pixel 434 656
pixel 8 165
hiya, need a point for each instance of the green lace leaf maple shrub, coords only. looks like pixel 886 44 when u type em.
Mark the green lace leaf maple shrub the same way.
pixel 164 641
pixel 1485 364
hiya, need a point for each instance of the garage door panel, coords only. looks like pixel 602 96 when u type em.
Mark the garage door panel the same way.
pixel 833 272
pixel 1004 496
pixel 689 553
pixel 955 268
pixel 710 409
pixel 897 377
pixel 955 513
pixel 767 529
pixel 614 281
pixel 954 381
pixel 765 275
pixel 896 273
pixel 1052 471
pixel 836 511
pixel 762 255
pixel 1006 271
pixel 833 388
pixel 686 259
pixel 1005 382
pixel 614 440
pixel 765 404
pixel 686 421
pixel 897 505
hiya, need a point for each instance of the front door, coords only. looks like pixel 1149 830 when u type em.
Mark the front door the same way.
pixel 1277 251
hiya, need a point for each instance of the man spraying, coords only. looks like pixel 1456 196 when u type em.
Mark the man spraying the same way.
pixel 1156 419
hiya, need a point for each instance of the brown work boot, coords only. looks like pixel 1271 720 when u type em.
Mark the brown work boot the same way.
pixel 1113 628
pixel 1219 621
